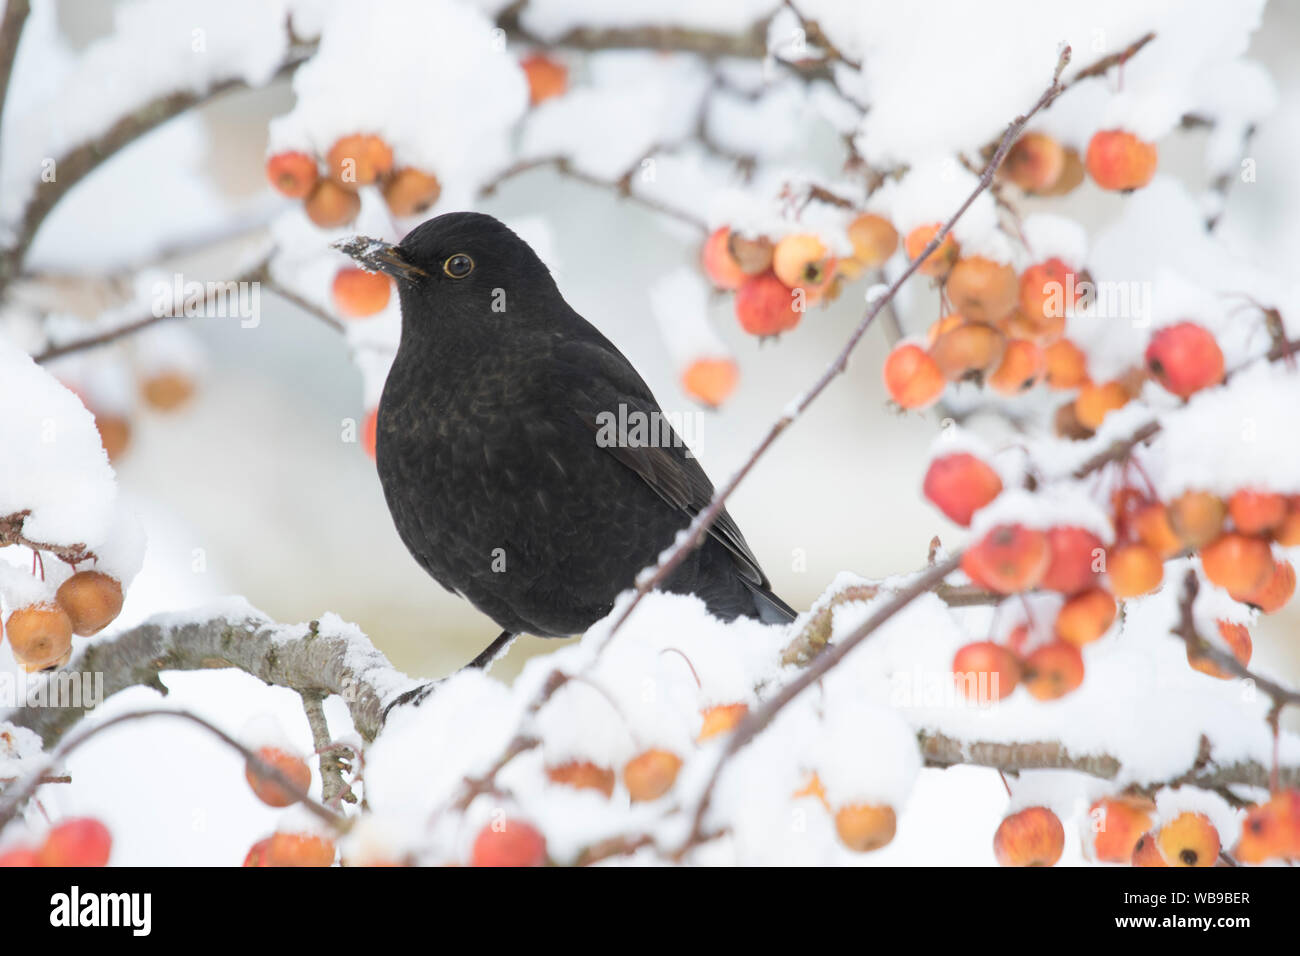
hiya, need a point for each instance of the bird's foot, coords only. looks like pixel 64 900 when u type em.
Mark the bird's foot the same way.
pixel 413 697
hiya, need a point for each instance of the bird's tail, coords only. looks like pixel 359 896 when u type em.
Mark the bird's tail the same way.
pixel 771 609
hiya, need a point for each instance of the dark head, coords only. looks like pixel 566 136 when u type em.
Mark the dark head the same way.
pixel 460 268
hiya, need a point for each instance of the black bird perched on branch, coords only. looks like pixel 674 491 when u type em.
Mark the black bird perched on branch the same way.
pixel 504 451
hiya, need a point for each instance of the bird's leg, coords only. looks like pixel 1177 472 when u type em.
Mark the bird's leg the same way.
pixel 483 661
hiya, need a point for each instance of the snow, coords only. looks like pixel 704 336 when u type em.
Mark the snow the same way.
pixel 679 302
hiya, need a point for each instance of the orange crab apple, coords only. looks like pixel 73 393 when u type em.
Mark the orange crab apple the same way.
pixel 1095 401
pixel 40 636
pixel 1067 365
pixel 874 239
pixel 968 350
pixel 1271 830
pixel 1053 670
pixel 509 843
pixel 1030 837
pixel 167 390
pixel 330 206
pixel 91 599
pixel 801 261
pixel 270 791
pixel 1276 592
pixel 912 377
pixel 1072 175
pixel 711 381
pixel 986 671
pixel 1009 558
pixel 721 719
pixel 981 289
pixel 259 854
pixel 546 77
pixel 813 788
pixel 359 294
pixel 411 191
pixel 1185 358
pixel 1035 162
pixel 1150 523
pixel 1066 424
pixel 292 173
pixel 719 264
pixel 79 842
pixel 1197 517
pixel 1086 617
pixel 582 775
pixel 1075 554
pixel 358 160
pixel 1023 365
pixel 865 827
pixel 651 774
pixel 1043 288
pixel 1189 839
pixel 1146 852
pixel 1238 563
pixel 937 263
pixel 960 484
pixel 1118 825
pixel 1134 569
pixel 1117 159
pixel 1256 512
pixel 765 306
pixel 19 856
pixel 299 849
pixel 942 325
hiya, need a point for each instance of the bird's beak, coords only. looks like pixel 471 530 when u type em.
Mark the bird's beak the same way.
pixel 379 256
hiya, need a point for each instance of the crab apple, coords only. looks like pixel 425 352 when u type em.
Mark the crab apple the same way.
pixel 1185 358
pixel 1238 563
pixel 1197 517
pixel 874 239
pixel 19 856
pixel 292 173
pixel 330 206
pixel 1086 617
pixel 270 791
pixel 1095 401
pixel 358 160
pixel 259 854
pixel 1271 830
pixel 80 842
pixel 1053 670
pixel 411 191
pixel 981 289
pixel 1043 287
pixel 1031 837
pixel 1074 554
pixel 1287 533
pixel 114 434
pixel 970 349
pixel 1117 159
pixel 1071 175
pixel 546 77
pixel 1041 331
pixel 509 843
pixel 1066 424
pixel 91 600
pixel 1237 637
pixel 651 774
pixel 753 255
pixel 943 325
pixel 1035 162
pixel 765 306
pixel 711 381
pixel 1022 367
pixel 40 636
pixel 1119 824
pixel 864 827
pixel 582 775
pixel 167 391
pixel 359 294
pixel 1067 365
pixel 960 484
pixel 1256 512
pixel 1274 595
pixel 721 719
pixel 299 849
pixel 937 263
pixel 1150 523
pixel 1189 839
pixel 986 671
pixel 1146 852
pixel 801 262
pixel 1134 569
pixel 912 377
pixel 1009 558
pixel 719 264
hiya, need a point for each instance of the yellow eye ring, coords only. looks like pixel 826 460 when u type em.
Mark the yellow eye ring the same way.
pixel 458 266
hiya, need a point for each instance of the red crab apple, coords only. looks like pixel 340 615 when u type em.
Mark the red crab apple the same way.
pixel 986 668
pixel 1256 512
pixel 765 306
pixel 1237 637
pixel 1035 162
pixel 719 264
pixel 369 429
pixel 1134 569
pixel 270 791
pixel 1118 824
pixel 1117 159
pixel 1023 365
pixel 292 173
pixel 981 289
pixel 1031 837
pixel 960 484
pixel 299 849
pixel 1276 592
pixel 510 843
pixel 546 78
pixel 912 378
pixel 1271 829
pixel 937 263
pixel 359 294
pixel 1146 852
pixel 1185 358
pixel 1086 617
pixel 1009 558
pixel 19 856
pixel 1074 557
pixel 80 842
pixel 1238 563
pixel 1043 288
pixel 1067 365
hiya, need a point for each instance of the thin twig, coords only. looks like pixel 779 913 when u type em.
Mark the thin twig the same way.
pixel 11 32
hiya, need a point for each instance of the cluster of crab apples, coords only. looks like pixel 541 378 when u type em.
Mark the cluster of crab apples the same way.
pixel 40 634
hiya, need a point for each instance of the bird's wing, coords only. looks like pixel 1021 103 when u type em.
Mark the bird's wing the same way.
pixel 607 380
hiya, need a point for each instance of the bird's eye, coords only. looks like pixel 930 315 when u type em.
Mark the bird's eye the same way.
pixel 458 266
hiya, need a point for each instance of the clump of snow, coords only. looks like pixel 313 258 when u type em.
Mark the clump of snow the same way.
pixel 1051 236
pixel 679 302
pixel 1057 505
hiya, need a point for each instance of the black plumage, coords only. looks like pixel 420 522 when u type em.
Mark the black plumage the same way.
pixel 493 451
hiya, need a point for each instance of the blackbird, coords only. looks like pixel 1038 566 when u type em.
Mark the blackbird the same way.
pixel 527 466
